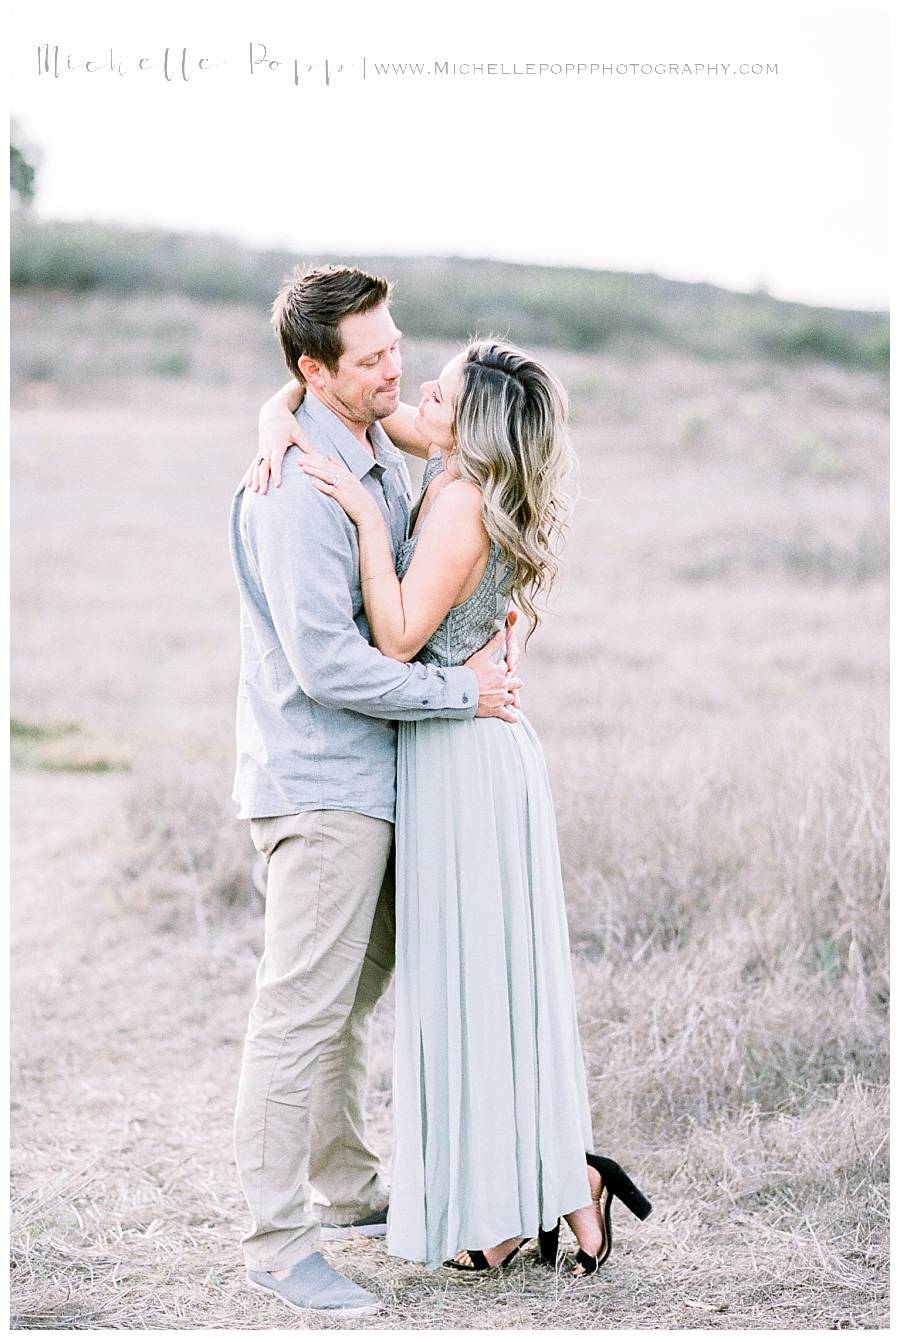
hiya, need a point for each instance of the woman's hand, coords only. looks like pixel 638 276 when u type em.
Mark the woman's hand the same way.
pixel 332 477
pixel 278 430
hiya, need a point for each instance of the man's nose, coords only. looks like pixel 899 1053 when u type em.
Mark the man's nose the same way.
pixel 394 368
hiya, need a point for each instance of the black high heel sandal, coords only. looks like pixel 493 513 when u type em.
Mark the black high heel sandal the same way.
pixel 480 1261
pixel 548 1242
pixel 616 1182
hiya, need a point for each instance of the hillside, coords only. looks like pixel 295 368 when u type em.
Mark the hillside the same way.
pixel 450 298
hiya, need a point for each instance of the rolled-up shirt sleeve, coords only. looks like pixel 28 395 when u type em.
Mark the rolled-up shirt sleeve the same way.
pixel 304 548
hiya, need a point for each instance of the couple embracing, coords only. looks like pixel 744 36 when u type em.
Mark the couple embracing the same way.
pixel 401 801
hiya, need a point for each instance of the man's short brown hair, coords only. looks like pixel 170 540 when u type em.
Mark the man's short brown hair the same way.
pixel 312 302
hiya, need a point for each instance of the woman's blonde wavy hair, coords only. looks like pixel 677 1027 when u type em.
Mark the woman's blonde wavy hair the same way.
pixel 511 440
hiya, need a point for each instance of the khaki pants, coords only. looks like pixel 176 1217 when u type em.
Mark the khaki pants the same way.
pixel 329 956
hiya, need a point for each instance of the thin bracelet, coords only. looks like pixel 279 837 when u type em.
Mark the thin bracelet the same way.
pixel 388 572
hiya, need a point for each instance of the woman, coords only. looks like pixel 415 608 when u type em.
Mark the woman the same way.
pixel 491 1117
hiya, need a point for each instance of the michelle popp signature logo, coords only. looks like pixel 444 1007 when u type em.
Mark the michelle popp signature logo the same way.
pixel 182 65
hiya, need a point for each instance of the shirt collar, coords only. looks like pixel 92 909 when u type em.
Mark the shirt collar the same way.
pixel 351 452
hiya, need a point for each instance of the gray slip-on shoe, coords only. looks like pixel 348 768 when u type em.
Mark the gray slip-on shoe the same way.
pixel 314 1286
pixel 374 1225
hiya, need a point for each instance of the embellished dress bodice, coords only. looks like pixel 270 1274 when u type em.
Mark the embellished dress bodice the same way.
pixel 472 623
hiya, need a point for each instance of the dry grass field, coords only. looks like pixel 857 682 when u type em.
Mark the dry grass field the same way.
pixel 710 690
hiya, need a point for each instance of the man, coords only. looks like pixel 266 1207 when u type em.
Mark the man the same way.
pixel 316 754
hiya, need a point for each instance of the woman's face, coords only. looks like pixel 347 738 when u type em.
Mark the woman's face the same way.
pixel 434 418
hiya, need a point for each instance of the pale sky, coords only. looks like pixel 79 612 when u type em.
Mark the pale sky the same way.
pixel 740 180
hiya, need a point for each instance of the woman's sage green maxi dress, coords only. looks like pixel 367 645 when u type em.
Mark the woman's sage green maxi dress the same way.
pixel 491 1116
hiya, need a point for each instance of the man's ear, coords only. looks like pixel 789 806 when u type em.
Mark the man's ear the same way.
pixel 310 369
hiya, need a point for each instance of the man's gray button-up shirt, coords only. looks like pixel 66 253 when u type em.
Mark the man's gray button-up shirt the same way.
pixel 317 704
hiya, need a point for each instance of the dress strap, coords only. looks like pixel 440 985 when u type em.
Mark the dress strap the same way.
pixel 433 466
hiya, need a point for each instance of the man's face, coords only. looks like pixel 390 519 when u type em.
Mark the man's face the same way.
pixel 366 385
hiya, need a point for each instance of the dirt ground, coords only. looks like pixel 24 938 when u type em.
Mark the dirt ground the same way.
pixel 710 691
pixel 127 1211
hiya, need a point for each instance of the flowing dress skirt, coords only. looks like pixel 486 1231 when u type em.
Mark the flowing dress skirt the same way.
pixel 491 1116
